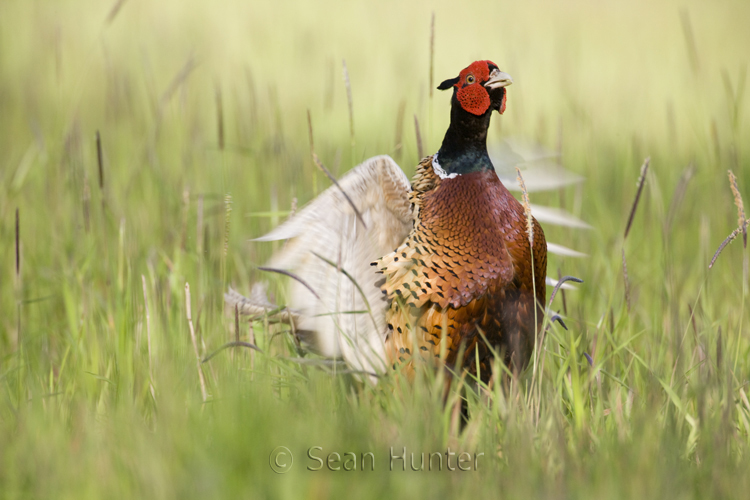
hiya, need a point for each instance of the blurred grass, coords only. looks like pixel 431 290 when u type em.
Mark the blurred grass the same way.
pixel 663 411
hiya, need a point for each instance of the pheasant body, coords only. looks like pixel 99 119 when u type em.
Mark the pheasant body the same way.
pixel 464 268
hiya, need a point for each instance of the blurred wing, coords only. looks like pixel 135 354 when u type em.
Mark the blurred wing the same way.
pixel 541 166
pixel 331 251
pixel 541 172
pixel 563 251
pixel 557 217
pixel 257 305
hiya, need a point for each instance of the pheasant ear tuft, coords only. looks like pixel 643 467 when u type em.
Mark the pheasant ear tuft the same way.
pixel 448 84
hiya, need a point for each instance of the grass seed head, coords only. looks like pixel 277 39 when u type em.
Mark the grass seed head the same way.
pixel 526 207
pixel 741 220
pixel 641 182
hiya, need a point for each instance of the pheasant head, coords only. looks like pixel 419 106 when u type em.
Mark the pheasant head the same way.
pixel 477 91
pixel 480 87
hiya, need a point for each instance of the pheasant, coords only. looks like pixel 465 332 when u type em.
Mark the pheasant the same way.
pixel 425 270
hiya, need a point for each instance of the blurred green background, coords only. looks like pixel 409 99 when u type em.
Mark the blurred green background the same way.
pixel 202 112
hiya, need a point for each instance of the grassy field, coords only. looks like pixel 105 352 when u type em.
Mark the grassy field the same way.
pixel 201 110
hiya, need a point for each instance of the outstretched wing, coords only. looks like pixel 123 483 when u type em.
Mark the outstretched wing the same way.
pixel 330 249
pixel 541 172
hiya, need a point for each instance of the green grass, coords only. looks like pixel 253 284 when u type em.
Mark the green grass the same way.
pixel 664 410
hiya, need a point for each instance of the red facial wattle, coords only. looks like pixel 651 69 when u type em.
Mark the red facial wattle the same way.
pixel 502 105
pixel 474 99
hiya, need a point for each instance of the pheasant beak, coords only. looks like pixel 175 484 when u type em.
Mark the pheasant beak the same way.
pixel 498 79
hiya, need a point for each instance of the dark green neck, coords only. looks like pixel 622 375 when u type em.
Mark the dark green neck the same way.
pixel 464 147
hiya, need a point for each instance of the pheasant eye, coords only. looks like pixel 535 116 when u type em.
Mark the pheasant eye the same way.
pixel 470 79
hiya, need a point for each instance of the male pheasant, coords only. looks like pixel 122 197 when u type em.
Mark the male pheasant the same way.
pixel 463 276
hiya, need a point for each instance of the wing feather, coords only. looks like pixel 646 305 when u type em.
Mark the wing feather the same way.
pixel 331 250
